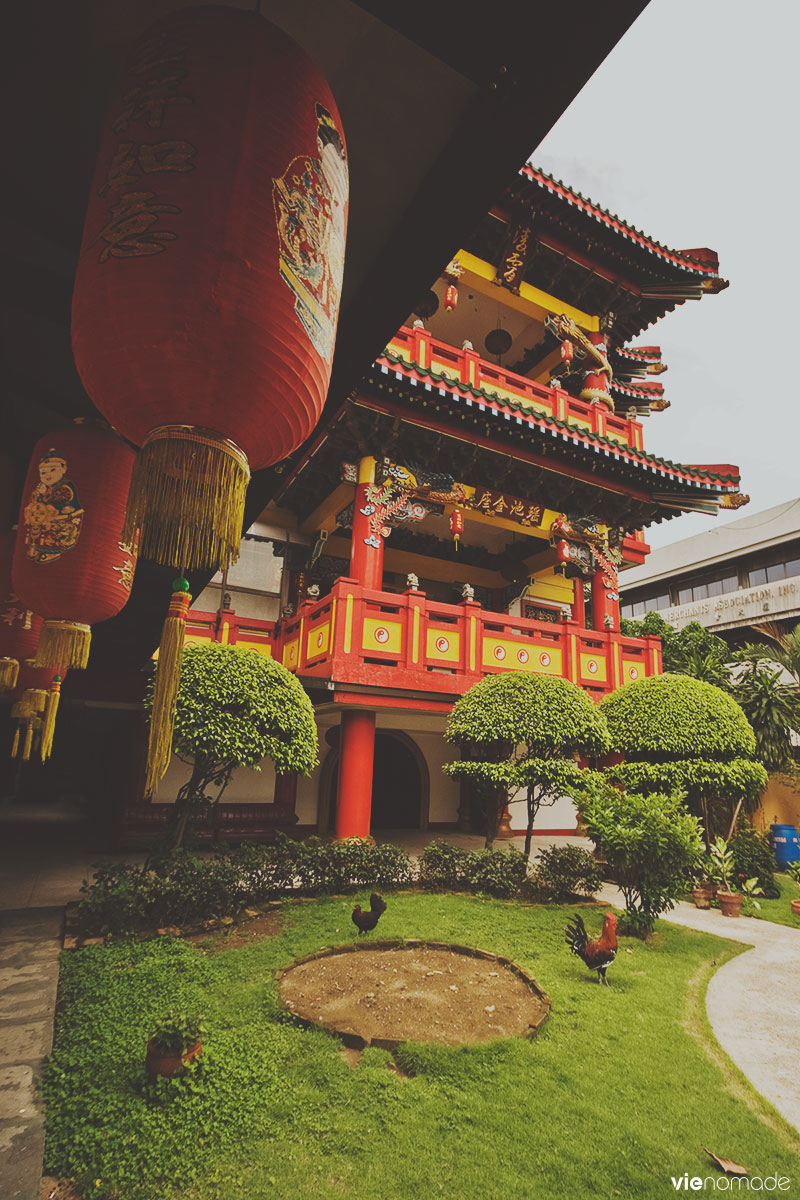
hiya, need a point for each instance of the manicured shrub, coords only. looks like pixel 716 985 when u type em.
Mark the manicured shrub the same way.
pixel 182 889
pixel 566 871
pixel 651 844
pixel 499 872
pixel 753 859
pixel 442 865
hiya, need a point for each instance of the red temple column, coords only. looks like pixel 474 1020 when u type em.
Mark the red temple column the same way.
pixel 366 548
pixel 595 382
pixel 605 604
pixel 356 755
pixel 578 603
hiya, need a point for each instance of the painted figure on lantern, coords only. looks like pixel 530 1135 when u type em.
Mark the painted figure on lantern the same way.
pixel 53 515
pixel 311 212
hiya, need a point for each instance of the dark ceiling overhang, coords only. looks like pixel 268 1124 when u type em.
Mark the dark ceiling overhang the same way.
pixel 440 110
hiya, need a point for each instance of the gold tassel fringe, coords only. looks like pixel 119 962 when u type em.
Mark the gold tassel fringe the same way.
pixel 168 677
pixel 31 702
pixel 49 719
pixel 9 670
pixel 15 743
pixel 28 743
pixel 63 644
pixel 187 498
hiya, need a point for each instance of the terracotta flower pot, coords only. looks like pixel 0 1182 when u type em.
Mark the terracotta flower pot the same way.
pixel 169 1062
pixel 730 903
pixel 796 907
pixel 701 897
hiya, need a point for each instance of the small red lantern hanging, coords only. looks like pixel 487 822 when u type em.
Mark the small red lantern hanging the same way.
pixel 450 297
pixel 207 292
pixel 71 565
pixel 456 524
pixel 567 352
pixel 19 627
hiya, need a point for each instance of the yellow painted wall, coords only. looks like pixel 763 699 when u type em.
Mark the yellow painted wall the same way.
pixel 780 805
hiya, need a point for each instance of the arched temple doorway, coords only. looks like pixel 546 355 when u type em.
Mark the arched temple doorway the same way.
pixel 400 785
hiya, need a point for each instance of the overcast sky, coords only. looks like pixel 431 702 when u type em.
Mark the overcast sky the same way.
pixel 689 132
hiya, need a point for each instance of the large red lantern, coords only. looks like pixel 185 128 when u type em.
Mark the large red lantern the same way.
pixel 71 564
pixel 456 524
pixel 19 627
pixel 207 292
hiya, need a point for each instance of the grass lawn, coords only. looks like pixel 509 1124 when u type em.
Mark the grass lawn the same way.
pixel 616 1094
pixel 779 910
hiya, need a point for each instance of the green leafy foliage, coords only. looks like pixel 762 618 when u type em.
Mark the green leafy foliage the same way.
pixel 693 650
pixel 498 872
pixel 521 730
pixel 546 714
pixel 176 1032
pixel 668 717
pixel 239 707
pixel 773 710
pixel 738 779
pixel 753 858
pixel 181 889
pixel 566 871
pixel 233 709
pixel 720 869
pixel 650 842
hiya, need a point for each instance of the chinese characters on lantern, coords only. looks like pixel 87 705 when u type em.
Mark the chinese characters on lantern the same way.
pixel 132 230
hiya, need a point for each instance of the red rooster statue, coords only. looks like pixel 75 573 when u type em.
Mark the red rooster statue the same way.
pixel 598 954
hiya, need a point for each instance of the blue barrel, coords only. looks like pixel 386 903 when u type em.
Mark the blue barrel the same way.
pixel 785 844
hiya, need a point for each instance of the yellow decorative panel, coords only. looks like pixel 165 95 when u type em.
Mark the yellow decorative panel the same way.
pixel 517 656
pixel 554 588
pixel 632 670
pixel 291 652
pixel 382 635
pixel 318 640
pixel 444 644
pixel 593 666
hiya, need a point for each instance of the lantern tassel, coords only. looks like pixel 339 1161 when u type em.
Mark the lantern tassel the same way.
pixel 9 670
pixel 64 644
pixel 15 743
pixel 28 743
pixel 187 498
pixel 165 692
pixel 49 719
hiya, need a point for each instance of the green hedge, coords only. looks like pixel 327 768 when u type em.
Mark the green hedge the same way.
pixel 181 889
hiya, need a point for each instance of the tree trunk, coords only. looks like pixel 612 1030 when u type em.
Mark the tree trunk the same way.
pixel 531 819
pixel 185 800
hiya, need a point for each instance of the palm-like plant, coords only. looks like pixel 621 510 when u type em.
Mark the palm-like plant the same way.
pixel 773 710
pixel 782 648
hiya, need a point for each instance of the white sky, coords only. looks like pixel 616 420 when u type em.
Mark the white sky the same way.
pixel 689 131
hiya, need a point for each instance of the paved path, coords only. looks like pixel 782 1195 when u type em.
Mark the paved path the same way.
pixel 753 1001
pixel 30 941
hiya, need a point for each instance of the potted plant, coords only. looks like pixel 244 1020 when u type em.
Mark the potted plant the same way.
pixel 174 1044
pixel 702 890
pixel 722 870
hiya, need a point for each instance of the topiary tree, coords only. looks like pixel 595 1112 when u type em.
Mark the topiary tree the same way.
pixel 521 730
pixel 681 733
pixel 233 709
pixel 651 844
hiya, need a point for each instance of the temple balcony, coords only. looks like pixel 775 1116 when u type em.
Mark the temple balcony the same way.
pixel 440 362
pixel 424 654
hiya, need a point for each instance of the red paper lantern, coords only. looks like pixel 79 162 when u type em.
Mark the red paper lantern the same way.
pixel 456 524
pixel 71 564
pixel 207 292
pixel 450 297
pixel 19 627
pixel 567 351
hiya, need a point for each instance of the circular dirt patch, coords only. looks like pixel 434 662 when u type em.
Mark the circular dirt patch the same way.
pixel 384 994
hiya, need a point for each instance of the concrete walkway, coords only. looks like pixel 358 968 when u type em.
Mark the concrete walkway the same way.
pixel 30 941
pixel 753 1001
